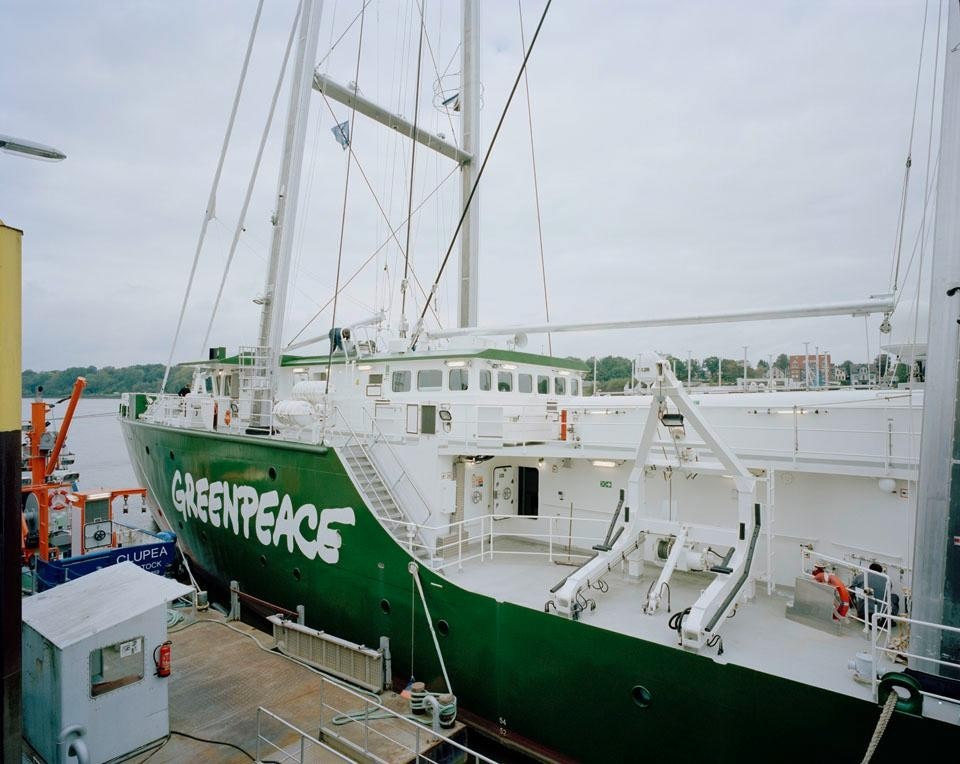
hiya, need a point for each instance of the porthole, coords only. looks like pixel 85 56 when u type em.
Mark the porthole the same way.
pixel 203 536
pixel 443 627
pixel 385 606
pixel 296 573
pixel 641 695
pixel 171 456
pixel 147 450
pixel 263 561
pixel 272 473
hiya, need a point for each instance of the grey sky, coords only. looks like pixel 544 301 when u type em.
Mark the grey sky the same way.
pixel 692 156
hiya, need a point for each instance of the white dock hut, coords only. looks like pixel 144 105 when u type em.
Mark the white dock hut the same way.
pixel 89 677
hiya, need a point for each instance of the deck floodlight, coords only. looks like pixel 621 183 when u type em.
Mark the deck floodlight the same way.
pixel 672 420
pixel 32 149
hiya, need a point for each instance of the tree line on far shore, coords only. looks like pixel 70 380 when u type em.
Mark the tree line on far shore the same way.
pixel 107 380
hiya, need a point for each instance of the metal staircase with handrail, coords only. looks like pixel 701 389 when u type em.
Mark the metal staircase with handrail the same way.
pixel 378 495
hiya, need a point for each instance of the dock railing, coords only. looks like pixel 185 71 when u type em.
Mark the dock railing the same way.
pixel 306 747
pixel 407 734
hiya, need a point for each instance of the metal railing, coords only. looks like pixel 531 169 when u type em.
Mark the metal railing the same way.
pixel 872 605
pixel 405 733
pixel 877 650
pixel 476 538
pixel 298 751
pixel 355 438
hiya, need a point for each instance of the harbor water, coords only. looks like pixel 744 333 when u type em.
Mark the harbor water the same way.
pixel 95 439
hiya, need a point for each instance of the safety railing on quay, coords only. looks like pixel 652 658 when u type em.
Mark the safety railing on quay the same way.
pixel 411 736
pixel 305 748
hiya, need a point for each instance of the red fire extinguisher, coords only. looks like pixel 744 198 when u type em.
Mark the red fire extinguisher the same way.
pixel 161 658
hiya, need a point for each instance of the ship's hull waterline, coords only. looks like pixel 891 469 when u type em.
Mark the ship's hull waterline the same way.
pixel 569 686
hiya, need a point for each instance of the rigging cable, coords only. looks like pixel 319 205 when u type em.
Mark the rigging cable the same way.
pixel 383 213
pixel 926 198
pixel 436 70
pixel 210 211
pixel 413 156
pixel 536 185
pixel 343 212
pixel 342 34
pixel 370 258
pixel 476 182
pixel 253 178
pixel 909 162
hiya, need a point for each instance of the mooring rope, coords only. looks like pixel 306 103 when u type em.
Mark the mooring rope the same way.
pixel 882 723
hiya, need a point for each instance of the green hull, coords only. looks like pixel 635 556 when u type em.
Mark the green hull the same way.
pixel 566 685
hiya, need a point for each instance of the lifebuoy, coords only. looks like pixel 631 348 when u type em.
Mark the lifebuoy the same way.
pixel 227 416
pixel 842 598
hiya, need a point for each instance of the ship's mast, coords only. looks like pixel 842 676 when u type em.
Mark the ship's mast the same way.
pixel 288 186
pixel 936 574
pixel 470 111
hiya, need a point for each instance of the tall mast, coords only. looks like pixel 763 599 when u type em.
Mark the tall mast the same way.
pixel 470 111
pixel 288 185
pixel 936 574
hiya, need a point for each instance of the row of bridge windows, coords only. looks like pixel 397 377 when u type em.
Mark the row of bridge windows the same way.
pixel 502 381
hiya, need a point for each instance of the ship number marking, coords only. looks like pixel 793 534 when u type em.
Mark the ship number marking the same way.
pixel 238 507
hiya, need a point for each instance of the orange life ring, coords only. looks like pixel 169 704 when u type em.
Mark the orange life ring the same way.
pixel 227 417
pixel 842 598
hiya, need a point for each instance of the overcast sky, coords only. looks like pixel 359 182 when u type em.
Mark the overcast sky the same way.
pixel 692 157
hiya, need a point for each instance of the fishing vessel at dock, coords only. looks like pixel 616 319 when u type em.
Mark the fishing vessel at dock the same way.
pixel 592 576
pixel 67 533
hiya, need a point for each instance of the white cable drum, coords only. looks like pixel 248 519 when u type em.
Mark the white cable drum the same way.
pixel 293 414
pixel 312 391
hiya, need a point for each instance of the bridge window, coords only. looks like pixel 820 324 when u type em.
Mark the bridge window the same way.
pixel 429 379
pixel 401 382
pixel 485 379
pixel 525 383
pixel 543 385
pixel 504 381
pixel 560 385
pixel 459 379
pixel 575 386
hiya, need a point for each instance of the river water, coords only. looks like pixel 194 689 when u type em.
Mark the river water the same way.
pixel 96 440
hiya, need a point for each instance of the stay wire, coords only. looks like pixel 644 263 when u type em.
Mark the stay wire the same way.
pixel 343 213
pixel 483 166
pixel 906 172
pixel 536 185
pixel 211 209
pixel 383 213
pixel 253 178
pixel 343 34
pixel 370 258
pixel 927 189
pixel 413 158
pixel 436 70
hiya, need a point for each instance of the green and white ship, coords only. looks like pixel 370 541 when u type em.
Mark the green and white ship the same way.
pixel 596 578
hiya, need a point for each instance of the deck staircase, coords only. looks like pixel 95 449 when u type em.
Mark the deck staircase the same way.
pixel 380 498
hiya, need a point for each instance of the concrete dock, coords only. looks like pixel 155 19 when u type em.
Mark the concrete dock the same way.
pixel 221 675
